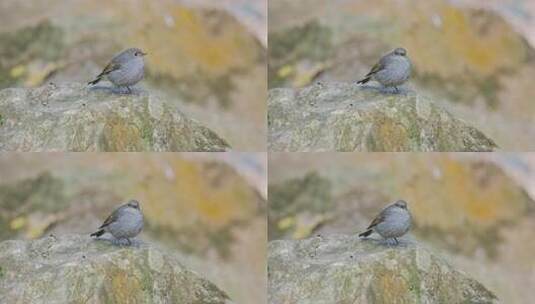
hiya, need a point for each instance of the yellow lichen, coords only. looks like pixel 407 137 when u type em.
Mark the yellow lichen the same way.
pixel 448 193
pixel 187 193
pixel 17 223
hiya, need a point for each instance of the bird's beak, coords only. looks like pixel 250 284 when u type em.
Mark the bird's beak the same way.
pixel 144 54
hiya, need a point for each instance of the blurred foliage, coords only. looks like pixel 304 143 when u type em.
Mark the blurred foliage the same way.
pixel 298 205
pixel 42 194
pixel 18 49
pixel 310 41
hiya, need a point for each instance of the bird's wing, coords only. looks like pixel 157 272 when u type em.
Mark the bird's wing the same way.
pixel 378 66
pixel 112 218
pixel 377 220
pixel 112 66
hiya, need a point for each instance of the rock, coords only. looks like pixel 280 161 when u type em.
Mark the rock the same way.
pixel 345 269
pixel 76 269
pixel 71 117
pixel 347 117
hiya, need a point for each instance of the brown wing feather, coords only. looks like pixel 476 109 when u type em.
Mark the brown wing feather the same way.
pixel 376 68
pixel 377 220
pixel 112 218
pixel 112 66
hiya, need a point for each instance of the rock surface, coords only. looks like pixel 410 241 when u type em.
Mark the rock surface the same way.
pixel 344 269
pixel 347 117
pixel 71 117
pixel 78 269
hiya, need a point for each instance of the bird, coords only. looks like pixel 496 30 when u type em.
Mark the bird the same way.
pixel 392 222
pixel 125 222
pixel 392 70
pixel 124 70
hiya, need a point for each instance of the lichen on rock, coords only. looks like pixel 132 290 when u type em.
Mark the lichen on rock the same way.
pixel 347 117
pixel 72 117
pixel 78 269
pixel 346 269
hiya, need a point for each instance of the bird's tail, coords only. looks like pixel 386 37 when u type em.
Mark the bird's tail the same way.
pixel 366 233
pixel 98 233
pixel 363 80
pixel 95 81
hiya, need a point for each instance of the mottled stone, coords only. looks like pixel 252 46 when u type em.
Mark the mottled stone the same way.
pixel 348 117
pixel 79 269
pixel 72 117
pixel 346 269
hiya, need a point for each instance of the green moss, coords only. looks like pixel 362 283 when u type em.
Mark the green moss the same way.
pixel 309 41
pixel 120 134
pixel 464 90
pixel 146 127
pixel 489 88
pixel 414 280
pixel 311 193
pixel 42 193
pixel 200 88
pixel 43 41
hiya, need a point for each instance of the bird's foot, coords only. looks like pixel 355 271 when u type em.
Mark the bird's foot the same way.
pixel 120 242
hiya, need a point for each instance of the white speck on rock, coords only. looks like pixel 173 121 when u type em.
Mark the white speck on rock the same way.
pixel 423 260
pixel 423 108
pixel 391 264
pixel 155 108
pixel 155 259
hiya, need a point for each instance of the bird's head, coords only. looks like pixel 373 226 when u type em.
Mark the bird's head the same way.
pixel 134 204
pixel 400 52
pixel 135 52
pixel 401 204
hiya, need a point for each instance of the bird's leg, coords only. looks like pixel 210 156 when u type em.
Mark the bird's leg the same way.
pixel 397 91
pixel 129 90
pixel 129 242
pixel 397 243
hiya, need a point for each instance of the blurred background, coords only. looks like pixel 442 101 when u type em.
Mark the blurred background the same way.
pixel 207 208
pixel 476 210
pixel 207 56
pixel 474 57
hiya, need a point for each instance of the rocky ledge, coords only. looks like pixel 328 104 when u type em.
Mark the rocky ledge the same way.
pixel 78 269
pixel 348 117
pixel 346 269
pixel 72 117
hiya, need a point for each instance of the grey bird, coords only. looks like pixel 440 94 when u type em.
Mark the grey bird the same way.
pixel 125 69
pixel 125 222
pixel 392 70
pixel 392 222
